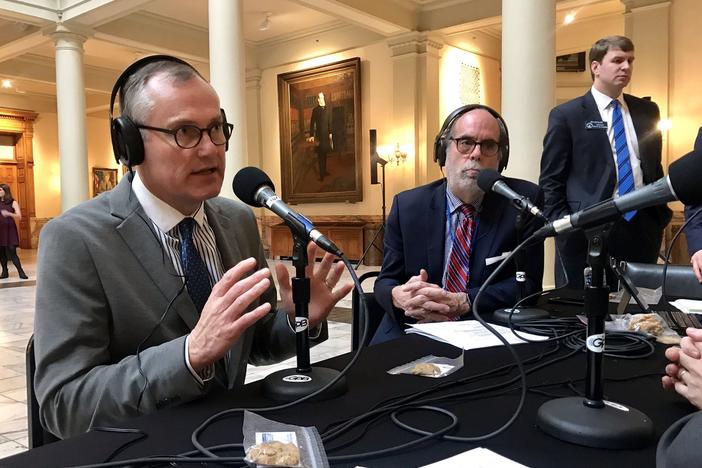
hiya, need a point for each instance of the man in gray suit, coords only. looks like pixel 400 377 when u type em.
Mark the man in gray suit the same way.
pixel 122 327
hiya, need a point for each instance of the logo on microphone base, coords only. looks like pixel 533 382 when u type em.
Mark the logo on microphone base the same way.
pixel 301 324
pixel 596 343
pixel 297 378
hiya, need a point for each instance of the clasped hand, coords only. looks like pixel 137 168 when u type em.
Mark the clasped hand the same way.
pixel 684 373
pixel 224 317
pixel 427 302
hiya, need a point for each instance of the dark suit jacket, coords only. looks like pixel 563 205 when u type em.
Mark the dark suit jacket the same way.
pixel 679 446
pixel 693 231
pixel 414 239
pixel 577 171
pixel 321 127
pixel 104 285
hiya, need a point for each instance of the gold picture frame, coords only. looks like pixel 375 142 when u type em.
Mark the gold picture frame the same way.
pixel 320 133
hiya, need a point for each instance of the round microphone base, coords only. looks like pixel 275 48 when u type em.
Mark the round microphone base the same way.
pixel 614 426
pixel 521 314
pixel 290 384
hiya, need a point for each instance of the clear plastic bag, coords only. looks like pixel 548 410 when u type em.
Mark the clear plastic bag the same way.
pixel 651 324
pixel 430 366
pixel 270 443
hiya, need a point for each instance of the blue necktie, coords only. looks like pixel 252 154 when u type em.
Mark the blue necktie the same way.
pixel 626 175
pixel 197 279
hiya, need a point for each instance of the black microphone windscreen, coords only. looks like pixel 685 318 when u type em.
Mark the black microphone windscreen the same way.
pixel 487 178
pixel 247 182
pixel 685 175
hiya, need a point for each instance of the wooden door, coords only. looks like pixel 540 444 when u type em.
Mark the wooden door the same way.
pixel 18 172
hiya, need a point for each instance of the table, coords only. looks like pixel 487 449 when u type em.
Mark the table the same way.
pixel 169 430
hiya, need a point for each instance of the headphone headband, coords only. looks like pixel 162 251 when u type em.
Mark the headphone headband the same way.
pixel 440 143
pixel 131 69
pixel 127 143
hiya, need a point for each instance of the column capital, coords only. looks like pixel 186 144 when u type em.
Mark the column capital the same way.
pixel 68 36
pixel 253 78
pixel 630 5
pixel 415 42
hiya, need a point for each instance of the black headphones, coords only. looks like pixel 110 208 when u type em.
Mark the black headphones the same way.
pixel 441 141
pixel 127 143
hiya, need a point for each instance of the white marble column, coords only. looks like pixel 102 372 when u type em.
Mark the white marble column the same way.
pixel 70 107
pixel 529 90
pixel 528 80
pixel 227 75
pixel 647 24
pixel 416 98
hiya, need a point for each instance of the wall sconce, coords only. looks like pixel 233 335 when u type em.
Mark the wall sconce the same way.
pixel 398 157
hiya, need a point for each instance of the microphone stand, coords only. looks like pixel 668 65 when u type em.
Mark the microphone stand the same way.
pixel 382 163
pixel 593 421
pixel 520 314
pixel 293 384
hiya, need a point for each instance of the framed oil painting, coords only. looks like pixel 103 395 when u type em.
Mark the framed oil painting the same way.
pixel 320 133
pixel 104 179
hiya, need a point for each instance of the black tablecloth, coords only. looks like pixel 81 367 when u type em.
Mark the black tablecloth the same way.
pixel 169 430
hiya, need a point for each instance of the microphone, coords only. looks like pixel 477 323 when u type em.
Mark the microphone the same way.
pixel 682 183
pixel 255 188
pixel 489 180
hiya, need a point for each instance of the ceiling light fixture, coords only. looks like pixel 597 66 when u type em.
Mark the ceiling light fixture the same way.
pixel 266 23
pixel 6 84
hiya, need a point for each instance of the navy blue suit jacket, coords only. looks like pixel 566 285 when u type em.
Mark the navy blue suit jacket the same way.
pixel 577 171
pixel 693 231
pixel 415 237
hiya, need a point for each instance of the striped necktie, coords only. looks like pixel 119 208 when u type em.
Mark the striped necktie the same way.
pixel 197 278
pixel 625 179
pixel 458 272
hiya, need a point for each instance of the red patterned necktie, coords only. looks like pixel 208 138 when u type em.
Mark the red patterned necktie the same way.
pixel 458 272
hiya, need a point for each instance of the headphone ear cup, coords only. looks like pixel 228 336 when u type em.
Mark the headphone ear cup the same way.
pixel 442 152
pixel 437 150
pixel 127 143
pixel 225 129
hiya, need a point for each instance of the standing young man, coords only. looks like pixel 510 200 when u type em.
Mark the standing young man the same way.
pixel 604 144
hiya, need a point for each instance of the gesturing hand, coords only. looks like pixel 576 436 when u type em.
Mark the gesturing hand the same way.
pixel 224 316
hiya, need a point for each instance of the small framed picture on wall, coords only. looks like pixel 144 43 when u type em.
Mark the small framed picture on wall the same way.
pixel 104 179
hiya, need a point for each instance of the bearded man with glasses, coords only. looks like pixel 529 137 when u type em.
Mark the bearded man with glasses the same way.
pixel 156 292
pixel 444 239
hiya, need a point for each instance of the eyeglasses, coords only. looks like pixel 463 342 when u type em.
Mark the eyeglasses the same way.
pixel 189 136
pixel 466 145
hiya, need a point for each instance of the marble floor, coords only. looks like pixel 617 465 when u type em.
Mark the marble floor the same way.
pixel 16 326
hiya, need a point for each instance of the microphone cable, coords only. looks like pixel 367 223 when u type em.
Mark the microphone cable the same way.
pixel 223 414
pixel 521 377
pixel 487 391
pixel 619 344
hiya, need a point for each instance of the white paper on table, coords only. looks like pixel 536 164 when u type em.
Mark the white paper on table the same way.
pixel 477 458
pixel 469 334
pixel 689 306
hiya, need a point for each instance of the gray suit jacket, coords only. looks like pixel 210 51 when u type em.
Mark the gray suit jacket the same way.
pixel 105 289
